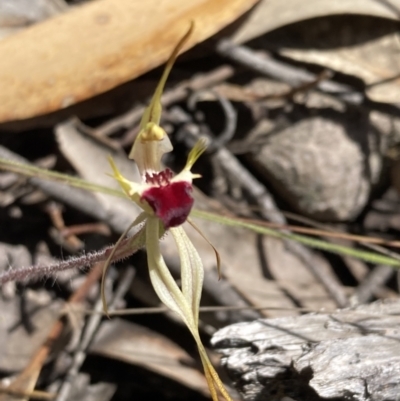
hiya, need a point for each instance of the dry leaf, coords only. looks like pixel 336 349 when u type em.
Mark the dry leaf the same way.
pixel 370 51
pixel 294 277
pixel 96 47
pixel 366 48
pixel 273 14
pixel 134 344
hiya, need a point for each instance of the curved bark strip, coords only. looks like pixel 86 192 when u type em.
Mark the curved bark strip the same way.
pixel 351 354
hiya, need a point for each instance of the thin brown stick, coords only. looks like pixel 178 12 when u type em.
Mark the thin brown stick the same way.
pixel 331 234
pixel 265 64
pixel 374 281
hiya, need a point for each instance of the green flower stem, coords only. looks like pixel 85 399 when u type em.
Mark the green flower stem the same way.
pixel 370 257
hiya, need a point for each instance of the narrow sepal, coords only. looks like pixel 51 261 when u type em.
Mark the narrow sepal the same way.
pixel 217 255
pixel 138 239
pixel 192 271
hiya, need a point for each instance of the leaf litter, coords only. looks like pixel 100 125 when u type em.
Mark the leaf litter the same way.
pixel 270 275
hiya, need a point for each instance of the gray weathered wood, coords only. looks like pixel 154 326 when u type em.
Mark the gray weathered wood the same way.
pixel 351 354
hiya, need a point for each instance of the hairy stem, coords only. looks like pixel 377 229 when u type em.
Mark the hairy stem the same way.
pixel 37 272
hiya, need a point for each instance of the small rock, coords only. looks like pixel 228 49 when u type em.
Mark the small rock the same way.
pixel 321 166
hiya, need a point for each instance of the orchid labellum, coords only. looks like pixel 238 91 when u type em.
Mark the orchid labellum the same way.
pixel 166 200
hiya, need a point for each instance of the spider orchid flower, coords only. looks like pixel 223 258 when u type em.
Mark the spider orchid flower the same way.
pixel 166 201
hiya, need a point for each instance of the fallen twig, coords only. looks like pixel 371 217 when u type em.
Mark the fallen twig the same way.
pixel 284 72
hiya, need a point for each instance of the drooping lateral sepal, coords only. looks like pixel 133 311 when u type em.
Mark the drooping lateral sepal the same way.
pixel 163 283
pixel 192 271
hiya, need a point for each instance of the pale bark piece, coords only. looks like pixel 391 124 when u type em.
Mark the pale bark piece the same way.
pixel 137 345
pixel 349 354
pixel 97 46
pixel 273 14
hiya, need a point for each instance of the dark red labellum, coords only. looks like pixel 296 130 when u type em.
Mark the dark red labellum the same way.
pixel 171 203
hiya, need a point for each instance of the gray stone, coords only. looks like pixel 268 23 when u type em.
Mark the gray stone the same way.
pixel 323 167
